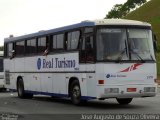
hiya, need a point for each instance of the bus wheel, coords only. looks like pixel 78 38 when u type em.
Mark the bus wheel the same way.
pixel 21 91
pixel 124 101
pixel 75 93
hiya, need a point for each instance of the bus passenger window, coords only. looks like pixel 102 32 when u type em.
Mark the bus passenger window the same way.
pixel 20 48
pixel 73 40
pixel 41 44
pixel 31 46
pixel 58 42
pixel 89 48
pixel 87 52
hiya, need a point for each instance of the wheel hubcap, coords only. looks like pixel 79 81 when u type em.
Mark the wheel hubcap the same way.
pixel 76 92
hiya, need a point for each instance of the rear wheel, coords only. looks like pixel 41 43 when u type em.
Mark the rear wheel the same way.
pixel 124 101
pixel 21 91
pixel 75 92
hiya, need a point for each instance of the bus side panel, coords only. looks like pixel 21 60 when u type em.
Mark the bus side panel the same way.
pixel 20 72
pixel 19 64
pixel 35 82
pixel 13 78
pixel 91 83
pixel 47 82
pixel 32 80
pixel 9 76
pixel 27 80
pixel 59 83
pixel 82 79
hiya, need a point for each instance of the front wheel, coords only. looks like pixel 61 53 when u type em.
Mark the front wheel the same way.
pixel 124 101
pixel 21 91
pixel 75 93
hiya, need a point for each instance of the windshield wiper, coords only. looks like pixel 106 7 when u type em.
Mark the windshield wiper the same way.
pixel 119 58
pixel 152 57
pixel 143 61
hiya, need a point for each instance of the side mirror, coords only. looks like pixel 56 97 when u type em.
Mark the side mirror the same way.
pixel 45 53
pixel 12 54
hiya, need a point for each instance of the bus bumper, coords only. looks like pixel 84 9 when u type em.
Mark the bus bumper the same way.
pixel 126 91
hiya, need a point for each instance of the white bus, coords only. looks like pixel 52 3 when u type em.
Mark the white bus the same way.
pixel 101 59
pixel 2 82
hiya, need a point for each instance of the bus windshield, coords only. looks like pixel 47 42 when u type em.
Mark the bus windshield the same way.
pixel 141 45
pixel 124 44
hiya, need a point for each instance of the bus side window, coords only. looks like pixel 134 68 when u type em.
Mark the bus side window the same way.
pixel 57 42
pixel 73 40
pixel 31 46
pixel 87 52
pixel 48 46
pixel 89 48
pixel 20 48
pixel 42 44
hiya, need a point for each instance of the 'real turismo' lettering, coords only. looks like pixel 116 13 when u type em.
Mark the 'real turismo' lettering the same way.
pixel 65 63
pixel 56 63
pixel 47 64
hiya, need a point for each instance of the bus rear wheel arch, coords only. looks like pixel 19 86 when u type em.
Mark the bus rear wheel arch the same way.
pixel 75 92
pixel 21 90
pixel 71 80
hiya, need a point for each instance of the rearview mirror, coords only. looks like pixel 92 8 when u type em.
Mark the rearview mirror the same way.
pixel 12 54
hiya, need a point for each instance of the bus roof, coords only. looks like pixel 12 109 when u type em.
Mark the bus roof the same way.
pixel 87 23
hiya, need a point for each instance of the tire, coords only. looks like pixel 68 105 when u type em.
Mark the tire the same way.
pixel 21 91
pixel 124 101
pixel 2 89
pixel 75 93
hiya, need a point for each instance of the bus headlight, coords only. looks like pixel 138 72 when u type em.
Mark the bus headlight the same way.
pixel 149 89
pixel 111 90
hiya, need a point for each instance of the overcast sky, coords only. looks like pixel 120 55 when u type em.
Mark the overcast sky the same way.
pixel 19 17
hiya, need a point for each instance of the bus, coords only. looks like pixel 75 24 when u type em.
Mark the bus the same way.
pixel 99 59
pixel 2 82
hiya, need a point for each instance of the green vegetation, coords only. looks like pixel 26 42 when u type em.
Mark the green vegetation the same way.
pixel 121 10
pixel 150 12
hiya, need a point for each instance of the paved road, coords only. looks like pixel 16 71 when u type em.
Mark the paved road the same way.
pixel 44 107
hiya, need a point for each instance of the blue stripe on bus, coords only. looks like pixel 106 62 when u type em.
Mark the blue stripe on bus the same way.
pixel 53 94
pixel 46 93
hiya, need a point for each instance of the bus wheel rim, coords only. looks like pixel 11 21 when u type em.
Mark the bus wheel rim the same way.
pixel 76 92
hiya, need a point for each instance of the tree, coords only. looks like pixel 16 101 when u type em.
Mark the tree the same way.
pixel 121 10
pixel 115 12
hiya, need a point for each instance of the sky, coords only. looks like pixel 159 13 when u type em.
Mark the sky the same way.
pixel 20 17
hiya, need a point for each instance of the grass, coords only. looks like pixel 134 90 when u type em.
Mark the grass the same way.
pixel 150 12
